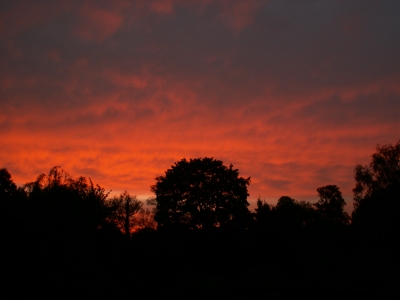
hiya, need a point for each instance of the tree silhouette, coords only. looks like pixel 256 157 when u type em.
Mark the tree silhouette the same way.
pixel 330 205
pixel 378 183
pixel 145 220
pixel 290 213
pixel 7 185
pixel 377 201
pixel 66 205
pixel 263 213
pixel 382 173
pixel 125 208
pixel 201 193
pixel 375 218
pixel 13 207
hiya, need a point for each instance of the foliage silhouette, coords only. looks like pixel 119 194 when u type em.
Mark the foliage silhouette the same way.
pixel 7 185
pixel 124 212
pixel 381 175
pixel 14 209
pixel 201 193
pixel 65 236
pixel 377 189
pixel 375 219
pixel 145 220
pixel 330 205
pixel 66 206
pixel 263 214
pixel 293 214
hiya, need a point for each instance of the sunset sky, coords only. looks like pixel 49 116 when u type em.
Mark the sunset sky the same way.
pixel 293 93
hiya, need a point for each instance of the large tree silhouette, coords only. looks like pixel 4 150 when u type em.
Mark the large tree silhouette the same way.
pixel 290 213
pixel 7 185
pixel 201 193
pixel 330 205
pixel 377 192
pixel 67 206
pixel 13 207
pixel 380 176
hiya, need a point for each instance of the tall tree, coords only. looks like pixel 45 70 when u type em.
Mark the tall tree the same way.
pixel 201 193
pixel 7 185
pixel 330 205
pixel 125 208
pixel 68 205
pixel 263 210
pixel 377 190
pixel 290 213
pixel 13 208
pixel 381 175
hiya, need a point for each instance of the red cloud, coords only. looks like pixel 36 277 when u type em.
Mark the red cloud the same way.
pixel 122 108
pixel 96 23
pixel 239 14
pixel 162 6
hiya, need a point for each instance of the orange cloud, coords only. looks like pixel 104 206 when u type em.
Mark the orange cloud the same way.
pixel 148 83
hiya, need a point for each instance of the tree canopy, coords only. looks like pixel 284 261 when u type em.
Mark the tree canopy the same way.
pixel 67 204
pixel 68 232
pixel 377 189
pixel 125 209
pixel 292 213
pixel 380 175
pixel 201 193
pixel 331 205
pixel 7 185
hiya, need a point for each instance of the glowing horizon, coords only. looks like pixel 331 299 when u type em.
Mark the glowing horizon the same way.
pixel 294 95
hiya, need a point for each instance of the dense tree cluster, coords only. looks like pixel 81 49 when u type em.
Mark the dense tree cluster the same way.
pixel 201 194
pixel 64 234
pixel 290 214
pixel 378 184
pixel 64 203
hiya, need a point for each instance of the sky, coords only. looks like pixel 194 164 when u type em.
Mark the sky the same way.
pixel 293 93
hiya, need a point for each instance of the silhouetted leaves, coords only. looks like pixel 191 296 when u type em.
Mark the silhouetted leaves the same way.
pixel 330 205
pixel 201 193
pixel 7 185
pixel 381 175
pixel 377 189
pixel 124 210
pixel 65 236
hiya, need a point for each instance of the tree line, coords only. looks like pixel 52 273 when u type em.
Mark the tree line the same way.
pixel 67 203
pixel 73 235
